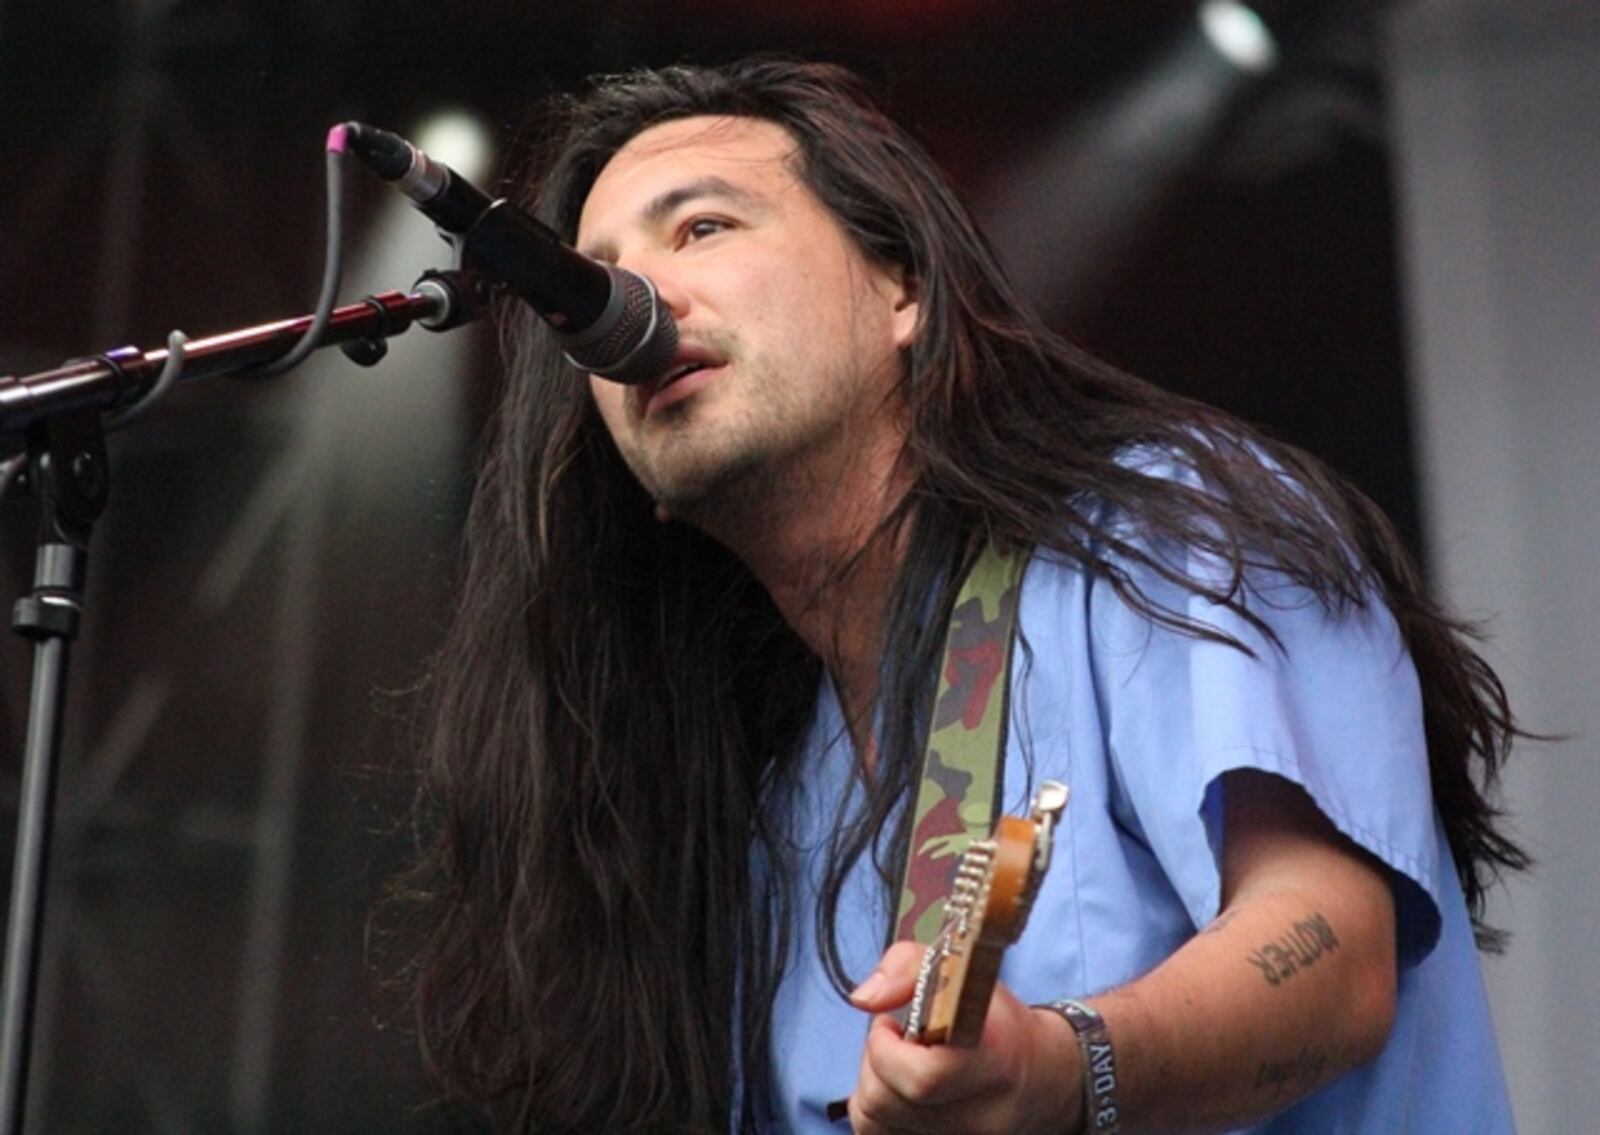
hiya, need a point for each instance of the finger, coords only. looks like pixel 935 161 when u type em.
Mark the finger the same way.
pixel 874 1108
pixel 873 1112
pixel 921 1076
pixel 890 985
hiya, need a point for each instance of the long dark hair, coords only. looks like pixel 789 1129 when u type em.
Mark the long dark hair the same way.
pixel 617 695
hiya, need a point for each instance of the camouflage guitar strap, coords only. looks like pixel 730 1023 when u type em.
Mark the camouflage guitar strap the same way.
pixel 959 797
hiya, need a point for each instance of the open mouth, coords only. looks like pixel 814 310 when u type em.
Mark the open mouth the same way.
pixel 683 370
pixel 671 387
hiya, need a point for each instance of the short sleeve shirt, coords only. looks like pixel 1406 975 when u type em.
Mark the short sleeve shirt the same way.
pixel 1142 722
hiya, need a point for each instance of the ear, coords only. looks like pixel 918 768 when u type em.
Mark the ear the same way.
pixel 906 293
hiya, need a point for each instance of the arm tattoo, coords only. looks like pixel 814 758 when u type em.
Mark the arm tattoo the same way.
pixel 1296 1075
pixel 1298 947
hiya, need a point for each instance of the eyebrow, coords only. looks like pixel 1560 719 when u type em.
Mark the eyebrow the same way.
pixel 664 203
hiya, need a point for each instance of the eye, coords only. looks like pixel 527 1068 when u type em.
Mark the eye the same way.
pixel 698 228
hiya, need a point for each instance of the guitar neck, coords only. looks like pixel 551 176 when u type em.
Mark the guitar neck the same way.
pixel 983 970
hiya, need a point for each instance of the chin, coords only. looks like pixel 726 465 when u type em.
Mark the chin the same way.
pixel 710 489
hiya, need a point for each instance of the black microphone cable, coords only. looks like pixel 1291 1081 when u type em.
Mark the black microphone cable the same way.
pixel 332 263
pixel 322 314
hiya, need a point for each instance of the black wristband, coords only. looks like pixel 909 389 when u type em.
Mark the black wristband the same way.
pixel 1102 1115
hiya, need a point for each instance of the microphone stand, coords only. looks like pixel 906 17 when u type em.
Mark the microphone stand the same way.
pixel 59 411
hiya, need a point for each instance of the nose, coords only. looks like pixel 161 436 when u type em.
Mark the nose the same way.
pixel 672 294
pixel 659 271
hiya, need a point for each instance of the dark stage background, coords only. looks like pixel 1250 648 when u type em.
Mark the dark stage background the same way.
pixel 275 565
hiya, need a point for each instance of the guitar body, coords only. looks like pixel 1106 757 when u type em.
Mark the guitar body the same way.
pixel 986 911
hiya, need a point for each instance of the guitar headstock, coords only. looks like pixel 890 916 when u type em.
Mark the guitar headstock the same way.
pixel 996 882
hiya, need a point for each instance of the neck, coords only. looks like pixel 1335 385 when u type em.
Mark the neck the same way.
pixel 818 547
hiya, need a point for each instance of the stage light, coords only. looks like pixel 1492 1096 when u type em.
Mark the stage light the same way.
pixel 380 434
pixel 1239 33
pixel 1064 216
pixel 405 414
pixel 457 139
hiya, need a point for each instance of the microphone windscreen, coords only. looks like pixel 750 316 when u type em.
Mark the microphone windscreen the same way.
pixel 634 341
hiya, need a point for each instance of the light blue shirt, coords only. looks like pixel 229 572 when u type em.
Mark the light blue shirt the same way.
pixel 1142 722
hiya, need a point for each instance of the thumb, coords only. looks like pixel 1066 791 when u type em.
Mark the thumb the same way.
pixel 890 985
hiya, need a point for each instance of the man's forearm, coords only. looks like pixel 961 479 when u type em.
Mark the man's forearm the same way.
pixel 1276 998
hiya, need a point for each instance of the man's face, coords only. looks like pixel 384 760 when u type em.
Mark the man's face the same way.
pixel 793 336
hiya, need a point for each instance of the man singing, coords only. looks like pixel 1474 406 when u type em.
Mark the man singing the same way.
pixel 682 712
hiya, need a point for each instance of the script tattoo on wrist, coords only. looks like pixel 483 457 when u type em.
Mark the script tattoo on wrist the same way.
pixel 1297 1075
pixel 1296 949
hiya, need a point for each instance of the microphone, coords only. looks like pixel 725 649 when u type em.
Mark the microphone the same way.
pixel 610 321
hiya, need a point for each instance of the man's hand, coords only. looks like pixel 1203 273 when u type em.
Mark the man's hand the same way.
pixel 1022 1077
